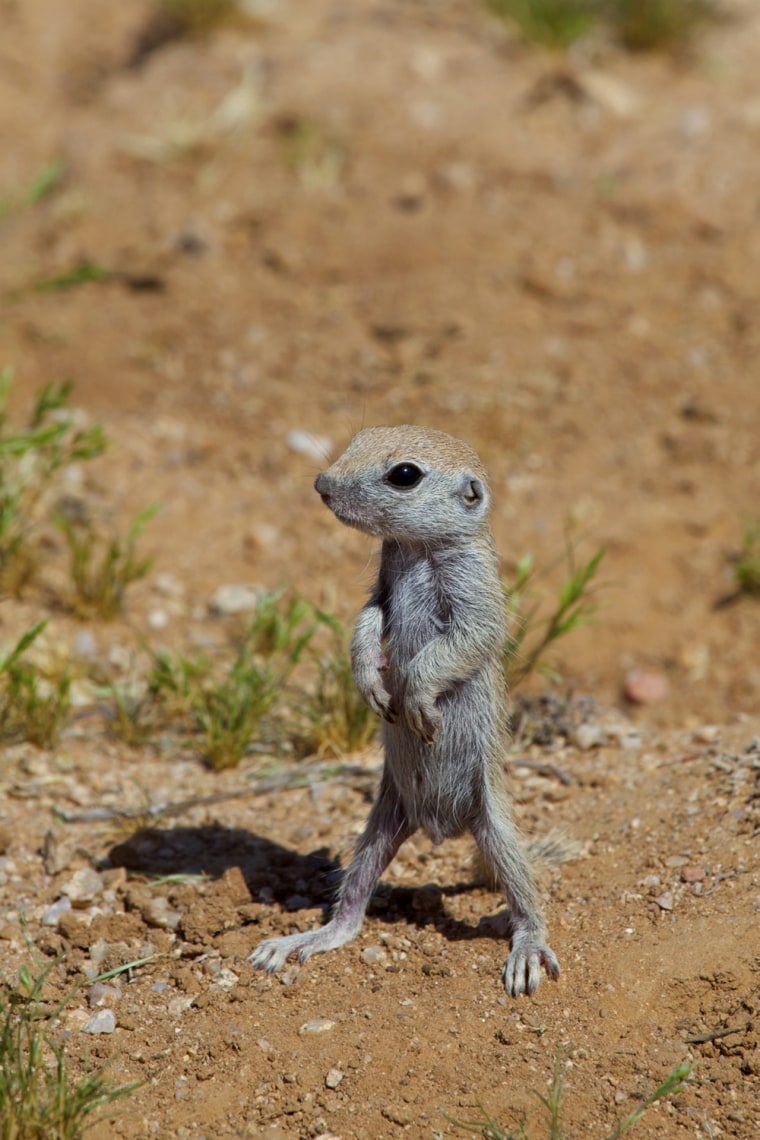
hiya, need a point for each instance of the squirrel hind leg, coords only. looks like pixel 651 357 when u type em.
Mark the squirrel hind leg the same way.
pixel 386 830
pixel 503 852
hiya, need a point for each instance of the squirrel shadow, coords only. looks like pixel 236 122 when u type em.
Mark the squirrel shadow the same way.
pixel 294 881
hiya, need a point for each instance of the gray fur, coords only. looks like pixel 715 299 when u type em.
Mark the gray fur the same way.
pixel 426 656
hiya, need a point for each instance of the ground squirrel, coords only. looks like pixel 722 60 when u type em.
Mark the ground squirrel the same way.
pixel 426 656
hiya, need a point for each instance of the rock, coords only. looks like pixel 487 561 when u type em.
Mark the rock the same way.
pixel 166 584
pixel 99 994
pixel 85 645
pixel 102 1021
pixel 226 979
pixel 693 874
pixel 57 854
pixel 587 736
pixel 234 599
pixel 610 93
pixel 373 955
pixel 316 1025
pixel 83 887
pixel 178 1005
pixel 158 619
pixel 645 687
pixel 333 1078
pixel 665 901
pixel 157 912
pixel 316 447
pixel 51 916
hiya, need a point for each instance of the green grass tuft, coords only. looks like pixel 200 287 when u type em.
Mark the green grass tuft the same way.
pixel 31 708
pixel 639 25
pixel 747 566
pixel 530 634
pixel 30 459
pixel 102 569
pixel 549 1109
pixel 39 1098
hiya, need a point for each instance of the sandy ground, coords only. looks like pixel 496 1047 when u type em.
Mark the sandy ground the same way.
pixel 334 215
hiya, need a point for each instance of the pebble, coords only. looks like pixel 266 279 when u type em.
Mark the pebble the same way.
pixel 645 687
pixel 98 951
pixel 587 736
pixel 158 619
pixel 83 887
pixel 102 1021
pixel 234 599
pixel 611 93
pixel 157 912
pixel 707 734
pixel 373 955
pixel 85 645
pixel 99 994
pixel 178 1005
pixel 316 1025
pixel 316 447
pixel 226 979
pixel 665 901
pixel 333 1078
pixel 51 916
pixel 166 584
pixel 693 874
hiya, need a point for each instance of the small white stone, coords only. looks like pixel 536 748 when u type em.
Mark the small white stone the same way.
pixel 234 599
pixel 587 736
pixel 317 1025
pixel 99 994
pixel 373 955
pixel 102 1021
pixel 52 914
pixel 158 913
pixel 85 645
pixel 83 887
pixel 178 1005
pixel 158 619
pixel 226 979
pixel 168 585
pixel 333 1078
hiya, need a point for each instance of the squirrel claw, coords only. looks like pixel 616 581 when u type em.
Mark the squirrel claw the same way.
pixel 425 720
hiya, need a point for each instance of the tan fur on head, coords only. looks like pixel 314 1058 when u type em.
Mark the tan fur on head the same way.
pixel 409 441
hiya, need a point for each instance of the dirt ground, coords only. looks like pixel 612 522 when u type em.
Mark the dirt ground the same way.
pixel 330 215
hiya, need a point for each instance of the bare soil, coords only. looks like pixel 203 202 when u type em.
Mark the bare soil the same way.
pixel 335 215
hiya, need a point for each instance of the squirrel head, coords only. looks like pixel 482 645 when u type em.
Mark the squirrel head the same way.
pixel 408 483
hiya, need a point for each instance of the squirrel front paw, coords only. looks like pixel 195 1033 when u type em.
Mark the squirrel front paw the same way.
pixel 423 716
pixel 369 682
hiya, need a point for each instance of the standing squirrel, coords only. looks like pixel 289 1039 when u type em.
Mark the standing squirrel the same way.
pixel 426 656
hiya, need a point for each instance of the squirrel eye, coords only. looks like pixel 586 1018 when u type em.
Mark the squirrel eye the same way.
pixel 404 476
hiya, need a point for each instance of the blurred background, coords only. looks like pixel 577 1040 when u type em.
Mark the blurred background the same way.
pixel 246 229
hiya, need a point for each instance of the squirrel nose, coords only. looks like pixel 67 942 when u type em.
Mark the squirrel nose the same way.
pixel 321 486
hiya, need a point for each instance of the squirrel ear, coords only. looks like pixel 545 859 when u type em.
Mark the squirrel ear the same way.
pixel 473 491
